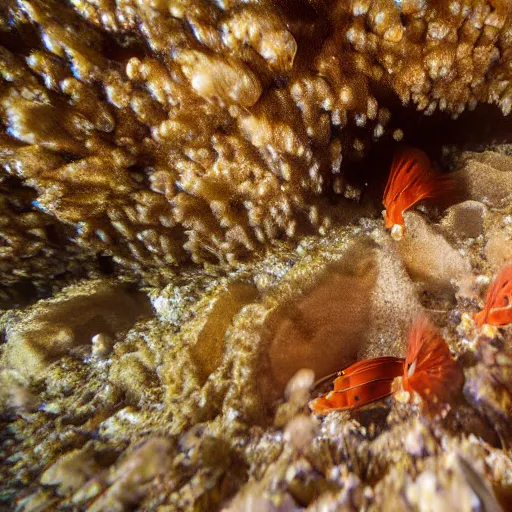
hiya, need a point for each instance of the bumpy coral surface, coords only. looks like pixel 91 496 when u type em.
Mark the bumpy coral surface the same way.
pixel 192 396
pixel 156 132
pixel 141 136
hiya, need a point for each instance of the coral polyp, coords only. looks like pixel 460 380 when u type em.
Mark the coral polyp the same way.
pixel 411 180
pixel 430 370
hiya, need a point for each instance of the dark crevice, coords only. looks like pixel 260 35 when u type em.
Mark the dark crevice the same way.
pixel 106 264
pixel 473 130
pixel 22 39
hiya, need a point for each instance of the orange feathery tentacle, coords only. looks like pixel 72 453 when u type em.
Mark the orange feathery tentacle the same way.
pixel 429 368
pixel 411 179
pixel 498 303
pixel 360 384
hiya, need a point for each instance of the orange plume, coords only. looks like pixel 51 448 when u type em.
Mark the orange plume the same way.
pixel 429 368
pixel 411 179
pixel 498 303
pixel 360 384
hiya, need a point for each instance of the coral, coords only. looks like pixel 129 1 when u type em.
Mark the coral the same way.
pixel 159 132
pixel 183 408
pixel 430 370
pixel 141 136
pixel 411 179
pixel 34 253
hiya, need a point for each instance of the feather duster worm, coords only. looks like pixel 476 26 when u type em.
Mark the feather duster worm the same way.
pixel 360 384
pixel 411 179
pixel 498 303
pixel 430 370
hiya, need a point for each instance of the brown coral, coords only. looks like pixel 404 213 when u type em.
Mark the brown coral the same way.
pixel 154 132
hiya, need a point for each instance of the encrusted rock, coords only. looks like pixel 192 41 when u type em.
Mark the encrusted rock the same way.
pixel 54 328
pixel 201 148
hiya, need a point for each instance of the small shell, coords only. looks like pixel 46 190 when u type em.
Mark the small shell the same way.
pixel 397 232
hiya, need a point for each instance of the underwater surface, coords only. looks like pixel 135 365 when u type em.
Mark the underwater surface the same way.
pixel 255 255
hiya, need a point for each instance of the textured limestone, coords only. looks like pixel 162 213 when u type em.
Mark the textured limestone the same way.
pixel 70 321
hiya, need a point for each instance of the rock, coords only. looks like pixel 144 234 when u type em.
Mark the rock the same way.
pixel 130 373
pixel 429 258
pixel 72 470
pixel 53 327
pixel 14 394
pixel 323 322
pixel 488 386
pixel 150 459
pixel 208 347
pixel 40 501
pixel 485 177
pixel 394 303
pixel 498 249
pixel 339 310
pixel 464 220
